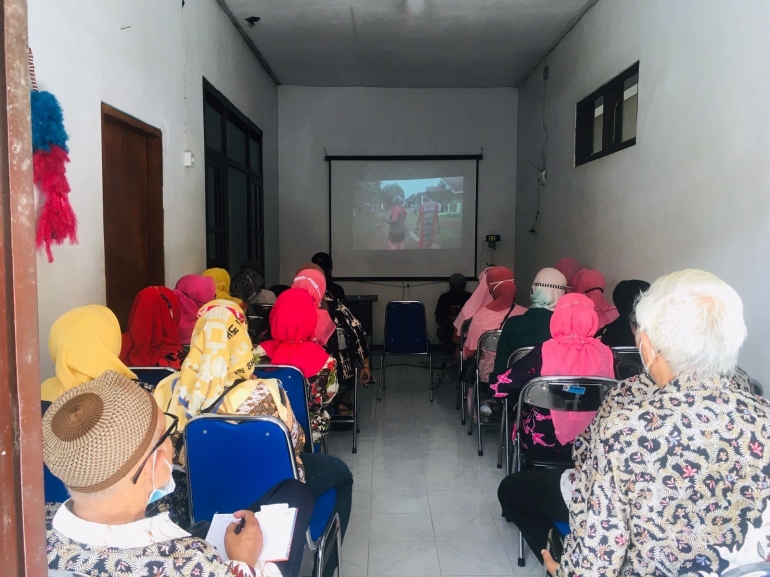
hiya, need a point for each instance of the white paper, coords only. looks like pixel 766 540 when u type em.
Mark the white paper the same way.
pixel 277 523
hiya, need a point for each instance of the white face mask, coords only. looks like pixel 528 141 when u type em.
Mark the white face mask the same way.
pixel 167 489
pixel 646 366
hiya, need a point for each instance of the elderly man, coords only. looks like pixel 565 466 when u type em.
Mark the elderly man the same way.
pixel 675 480
pixel 109 443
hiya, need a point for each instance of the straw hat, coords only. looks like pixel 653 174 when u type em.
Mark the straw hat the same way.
pixel 95 433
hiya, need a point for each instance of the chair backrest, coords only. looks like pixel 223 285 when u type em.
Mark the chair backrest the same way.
pixel 518 354
pixel 486 353
pixel 406 330
pixel 628 362
pixel 53 489
pixel 757 388
pixel 152 375
pixel 292 381
pixel 566 393
pixel 464 328
pixel 232 460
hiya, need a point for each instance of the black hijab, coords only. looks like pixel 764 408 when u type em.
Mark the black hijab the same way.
pixel 618 333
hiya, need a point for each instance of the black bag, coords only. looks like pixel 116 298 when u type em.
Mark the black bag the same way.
pixel 397 231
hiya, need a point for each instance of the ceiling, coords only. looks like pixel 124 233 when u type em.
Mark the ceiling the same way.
pixel 404 43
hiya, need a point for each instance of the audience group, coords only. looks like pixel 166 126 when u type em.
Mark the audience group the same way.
pixel 670 476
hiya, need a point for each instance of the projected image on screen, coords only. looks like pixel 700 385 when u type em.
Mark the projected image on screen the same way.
pixel 407 214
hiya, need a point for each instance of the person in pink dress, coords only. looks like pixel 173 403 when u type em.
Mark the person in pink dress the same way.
pixel 397 222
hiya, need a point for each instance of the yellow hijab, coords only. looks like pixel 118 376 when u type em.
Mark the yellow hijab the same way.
pixel 222 281
pixel 220 354
pixel 84 343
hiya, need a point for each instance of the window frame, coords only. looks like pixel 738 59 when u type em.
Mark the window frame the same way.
pixel 612 132
pixel 222 161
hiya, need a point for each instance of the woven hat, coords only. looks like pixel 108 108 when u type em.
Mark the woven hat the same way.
pixel 95 433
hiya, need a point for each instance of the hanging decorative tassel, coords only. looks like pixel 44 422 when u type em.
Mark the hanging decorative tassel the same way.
pixel 57 221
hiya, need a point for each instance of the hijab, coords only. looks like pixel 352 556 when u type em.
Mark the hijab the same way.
pixel 502 287
pixel 220 355
pixel 591 284
pixel 313 282
pixel 84 343
pixel 192 291
pixel 502 290
pixel 618 333
pixel 547 288
pixel 292 325
pixel 222 281
pixel 479 299
pixel 152 338
pixel 569 267
pixel 573 351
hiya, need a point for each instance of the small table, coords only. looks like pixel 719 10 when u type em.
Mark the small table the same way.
pixel 361 307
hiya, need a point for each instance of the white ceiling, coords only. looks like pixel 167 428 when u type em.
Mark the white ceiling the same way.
pixel 405 43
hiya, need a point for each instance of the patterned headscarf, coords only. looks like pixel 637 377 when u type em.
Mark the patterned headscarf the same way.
pixel 220 354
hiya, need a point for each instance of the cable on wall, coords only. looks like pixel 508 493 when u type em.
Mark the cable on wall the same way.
pixel 542 170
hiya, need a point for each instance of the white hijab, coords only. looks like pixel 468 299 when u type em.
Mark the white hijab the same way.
pixel 547 288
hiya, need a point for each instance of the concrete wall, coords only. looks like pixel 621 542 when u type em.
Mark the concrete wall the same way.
pixel 695 190
pixel 383 121
pixel 146 58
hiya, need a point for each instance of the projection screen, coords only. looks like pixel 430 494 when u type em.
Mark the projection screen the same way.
pixel 403 217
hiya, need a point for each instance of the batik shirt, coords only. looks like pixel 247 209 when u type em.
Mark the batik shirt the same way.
pixel 151 546
pixel 672 481
pixel 356 347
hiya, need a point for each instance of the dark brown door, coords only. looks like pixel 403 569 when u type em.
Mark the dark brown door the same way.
pixel 133 208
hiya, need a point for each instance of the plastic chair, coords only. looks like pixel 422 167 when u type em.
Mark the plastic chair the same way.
pixel 463 389
pixel 628 362
pixel 293 382
pixel 234 459
pixel 485 352
pixel 352 419
pixel 505 435
pixel 406 333
pixel 152 375
pixel 53 489
pixel 557 394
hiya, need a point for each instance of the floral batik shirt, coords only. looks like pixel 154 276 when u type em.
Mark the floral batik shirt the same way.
pixel 321 389
pixel 151 546
pixel 672 481
pixel 355 350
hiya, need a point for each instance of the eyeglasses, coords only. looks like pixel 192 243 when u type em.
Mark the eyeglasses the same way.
pixel 170 431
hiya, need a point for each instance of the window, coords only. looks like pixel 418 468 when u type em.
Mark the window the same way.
pixel 605 121
pixel 234 195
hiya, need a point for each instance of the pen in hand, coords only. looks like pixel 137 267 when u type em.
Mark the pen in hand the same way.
pixel 241 524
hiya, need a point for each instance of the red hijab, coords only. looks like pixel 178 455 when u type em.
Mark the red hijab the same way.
pixel 314 283
pixel 292 325
pixel 152 338
pixel 502 287
pixel 569 267
pixel 591 283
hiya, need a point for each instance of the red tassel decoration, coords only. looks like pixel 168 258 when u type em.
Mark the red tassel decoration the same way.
pixel 57 219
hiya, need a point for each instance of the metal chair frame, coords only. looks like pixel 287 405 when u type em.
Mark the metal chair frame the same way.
pixel 505 434
pixel 381 382
pixel 528 396
pixel 340 334
pixel 167 370
pixel 333 527
pixel 488 342
pixel 622 356
pixel 463 386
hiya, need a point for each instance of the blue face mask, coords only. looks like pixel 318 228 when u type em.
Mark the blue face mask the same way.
pixel 166 489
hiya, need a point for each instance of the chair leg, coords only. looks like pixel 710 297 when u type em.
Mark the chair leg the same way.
pixel 521 560
pixel 339 547
pixel 478 413
pixel 502 444
pixel 463 399
pixel 507 433
pixel 381 381
pixel 430 374
pixel 471 394
pixel 355 415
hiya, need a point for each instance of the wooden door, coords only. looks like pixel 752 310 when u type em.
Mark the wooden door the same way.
pixel 133 208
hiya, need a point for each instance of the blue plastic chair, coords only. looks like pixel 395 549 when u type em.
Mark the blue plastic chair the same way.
pixel 234 459
pixel 406 333
pixel 53 489
pixel 293 382
pixel 152 375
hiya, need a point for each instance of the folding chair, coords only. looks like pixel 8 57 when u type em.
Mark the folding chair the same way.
pixel 557 394
pixel 152 375
pixel 505 434
pixel 293 382
pixel 53 489
pixel 234 459
pixel 485 352
pixel 628 362
pixel 406 333
pixel 463 386
pixel 757 388
pixel 342 342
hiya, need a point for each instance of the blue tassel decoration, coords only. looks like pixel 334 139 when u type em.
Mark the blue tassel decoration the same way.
pixel 47 122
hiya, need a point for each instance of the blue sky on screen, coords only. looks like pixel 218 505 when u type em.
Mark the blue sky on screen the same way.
pixel 412 186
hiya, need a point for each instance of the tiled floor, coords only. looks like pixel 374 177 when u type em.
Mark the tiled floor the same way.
pixel 424 502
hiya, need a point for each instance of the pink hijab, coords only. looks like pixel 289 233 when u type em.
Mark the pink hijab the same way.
pixel 193 291
pixel 480 298
pixel 591 284
pixel 573 351
pixel 314 282
pixel 569 267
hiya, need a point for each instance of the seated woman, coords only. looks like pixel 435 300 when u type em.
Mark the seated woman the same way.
pixel 152 339
pixel 83 343
pixel 222 281
pixel 569 267
pixel 249 285
pixel 192 291
pixel 108 442
pixel 217 377
pixel 619 332
pixel 591 283
pixel 670 493
pixel 533 327
pixel 323 260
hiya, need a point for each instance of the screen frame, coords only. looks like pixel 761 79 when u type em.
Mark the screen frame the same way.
pixel 477 157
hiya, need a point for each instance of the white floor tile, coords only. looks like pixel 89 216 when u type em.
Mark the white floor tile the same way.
pixel 362 501
pixel 401 527
pixel 465 527
pixel 473 558
pixel 457 502
pixel 398 480
pixel 358 528
pixel 415 558
pixel 355 558
pixel 400 502
pixel 460 479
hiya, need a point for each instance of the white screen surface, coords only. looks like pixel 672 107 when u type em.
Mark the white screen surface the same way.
pixel 403 219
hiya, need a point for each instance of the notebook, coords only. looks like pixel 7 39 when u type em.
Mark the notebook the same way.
pixel 277 523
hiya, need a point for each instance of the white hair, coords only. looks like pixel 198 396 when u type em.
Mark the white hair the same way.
pixel 694 321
